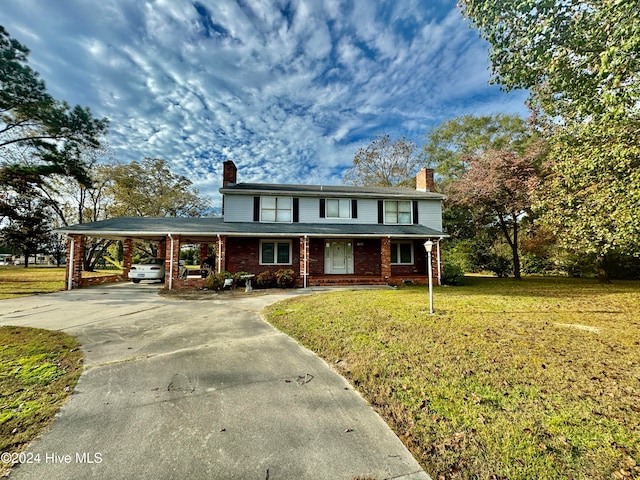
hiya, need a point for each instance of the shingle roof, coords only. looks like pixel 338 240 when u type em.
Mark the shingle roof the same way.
pixel 155 228
pixel 329 190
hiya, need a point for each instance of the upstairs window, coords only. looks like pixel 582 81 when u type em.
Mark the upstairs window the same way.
pixel 276 209
pixel 398 212
pixel 338 208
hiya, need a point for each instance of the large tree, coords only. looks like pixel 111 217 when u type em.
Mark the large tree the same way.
pixel 50 133
pixel 149 188
pixel 384 163
pixel 580 58
pixel 28 229
pixel 486 165
pixel 581 61
pixel 450 144
pixel 497 187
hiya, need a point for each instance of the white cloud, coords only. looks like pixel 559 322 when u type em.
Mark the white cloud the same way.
pixel 287 89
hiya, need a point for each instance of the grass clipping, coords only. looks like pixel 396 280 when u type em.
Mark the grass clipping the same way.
pixel 509 380
pixel 38 371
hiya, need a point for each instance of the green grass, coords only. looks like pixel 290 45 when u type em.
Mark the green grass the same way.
pixel 38 371
pixel 508 380
pixel 16 282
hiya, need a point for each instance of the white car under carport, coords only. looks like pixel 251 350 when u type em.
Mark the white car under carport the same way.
pixel 147 269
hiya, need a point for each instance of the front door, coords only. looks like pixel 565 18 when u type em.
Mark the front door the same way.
pixel 338 257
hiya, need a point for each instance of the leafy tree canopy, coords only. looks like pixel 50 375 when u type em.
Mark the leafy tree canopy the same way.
pixel 384 163
pixel 48 132
pixel 581 61
pixel 149 188
pixel 29 226
pixel 449 144
pixel 581 58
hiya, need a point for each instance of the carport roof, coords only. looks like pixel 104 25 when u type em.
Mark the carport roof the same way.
pixel 201 228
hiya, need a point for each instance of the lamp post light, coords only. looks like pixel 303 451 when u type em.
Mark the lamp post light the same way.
pixel 428 246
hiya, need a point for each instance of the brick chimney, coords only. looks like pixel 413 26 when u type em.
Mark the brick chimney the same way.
pixel 424 180
pixel 229 173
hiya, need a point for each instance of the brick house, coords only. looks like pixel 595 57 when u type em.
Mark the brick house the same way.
pixel 328 235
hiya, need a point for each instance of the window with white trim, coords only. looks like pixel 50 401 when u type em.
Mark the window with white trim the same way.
pixel 276 209
pixel 338 208
pixel 402 253
pixel 275 252
pixel 398 212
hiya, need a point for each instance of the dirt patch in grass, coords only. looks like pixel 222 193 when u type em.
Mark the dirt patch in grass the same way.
pixel 509 380
pixel 38 371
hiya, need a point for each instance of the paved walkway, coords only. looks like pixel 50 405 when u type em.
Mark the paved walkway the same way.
pixel 199 389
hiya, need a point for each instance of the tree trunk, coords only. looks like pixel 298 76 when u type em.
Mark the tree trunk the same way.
pixel 602 266
pixel 513 243
pixel 26 258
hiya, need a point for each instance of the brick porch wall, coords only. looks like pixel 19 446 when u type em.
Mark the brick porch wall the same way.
pixel 243 255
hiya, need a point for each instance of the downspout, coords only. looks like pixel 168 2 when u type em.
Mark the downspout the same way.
pixel 71 254
pixel 171 263
pixel 219 250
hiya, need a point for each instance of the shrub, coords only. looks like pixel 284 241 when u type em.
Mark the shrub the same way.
pixel 285 278
pixel 266 279
pixel 501 266
pixel 452 272
pixel 238 281
pixel 215 281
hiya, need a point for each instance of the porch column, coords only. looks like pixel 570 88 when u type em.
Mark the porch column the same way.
pixel 162 249
pixel 438 266
pixel 221 254
pixel 172 269
pixel 75 257
pixel 204 253
pixel 385 257
pixel 304 260
pixel 127 255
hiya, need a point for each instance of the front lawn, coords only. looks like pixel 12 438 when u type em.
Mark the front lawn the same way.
pixel 508 380
pixel 16 282
pixel 38 371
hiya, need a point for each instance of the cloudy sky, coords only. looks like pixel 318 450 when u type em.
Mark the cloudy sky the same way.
pixel 288 89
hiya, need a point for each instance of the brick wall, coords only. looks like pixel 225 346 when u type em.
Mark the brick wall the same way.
pixel 101 280
pixel 243 256
pixel 366 257
pixel 316 256
pixel 385 257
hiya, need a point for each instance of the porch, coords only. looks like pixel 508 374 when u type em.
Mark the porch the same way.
pixel 319 256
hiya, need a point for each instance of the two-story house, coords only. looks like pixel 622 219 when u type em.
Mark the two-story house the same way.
pixel 328 235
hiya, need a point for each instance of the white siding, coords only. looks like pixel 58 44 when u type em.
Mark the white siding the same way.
pixel 430 214
pixel 310 210
pixel 238 208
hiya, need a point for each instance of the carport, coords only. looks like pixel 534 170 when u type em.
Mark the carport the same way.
pixel 167 233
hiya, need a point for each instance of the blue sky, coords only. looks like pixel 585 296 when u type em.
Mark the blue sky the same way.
pixel 287 89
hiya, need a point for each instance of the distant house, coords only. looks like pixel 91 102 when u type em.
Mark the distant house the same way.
pixel 328 235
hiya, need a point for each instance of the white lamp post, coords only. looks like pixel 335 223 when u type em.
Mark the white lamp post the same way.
pixel 428 246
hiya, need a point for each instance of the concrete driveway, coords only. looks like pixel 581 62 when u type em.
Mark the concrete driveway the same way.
pixel 199 389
